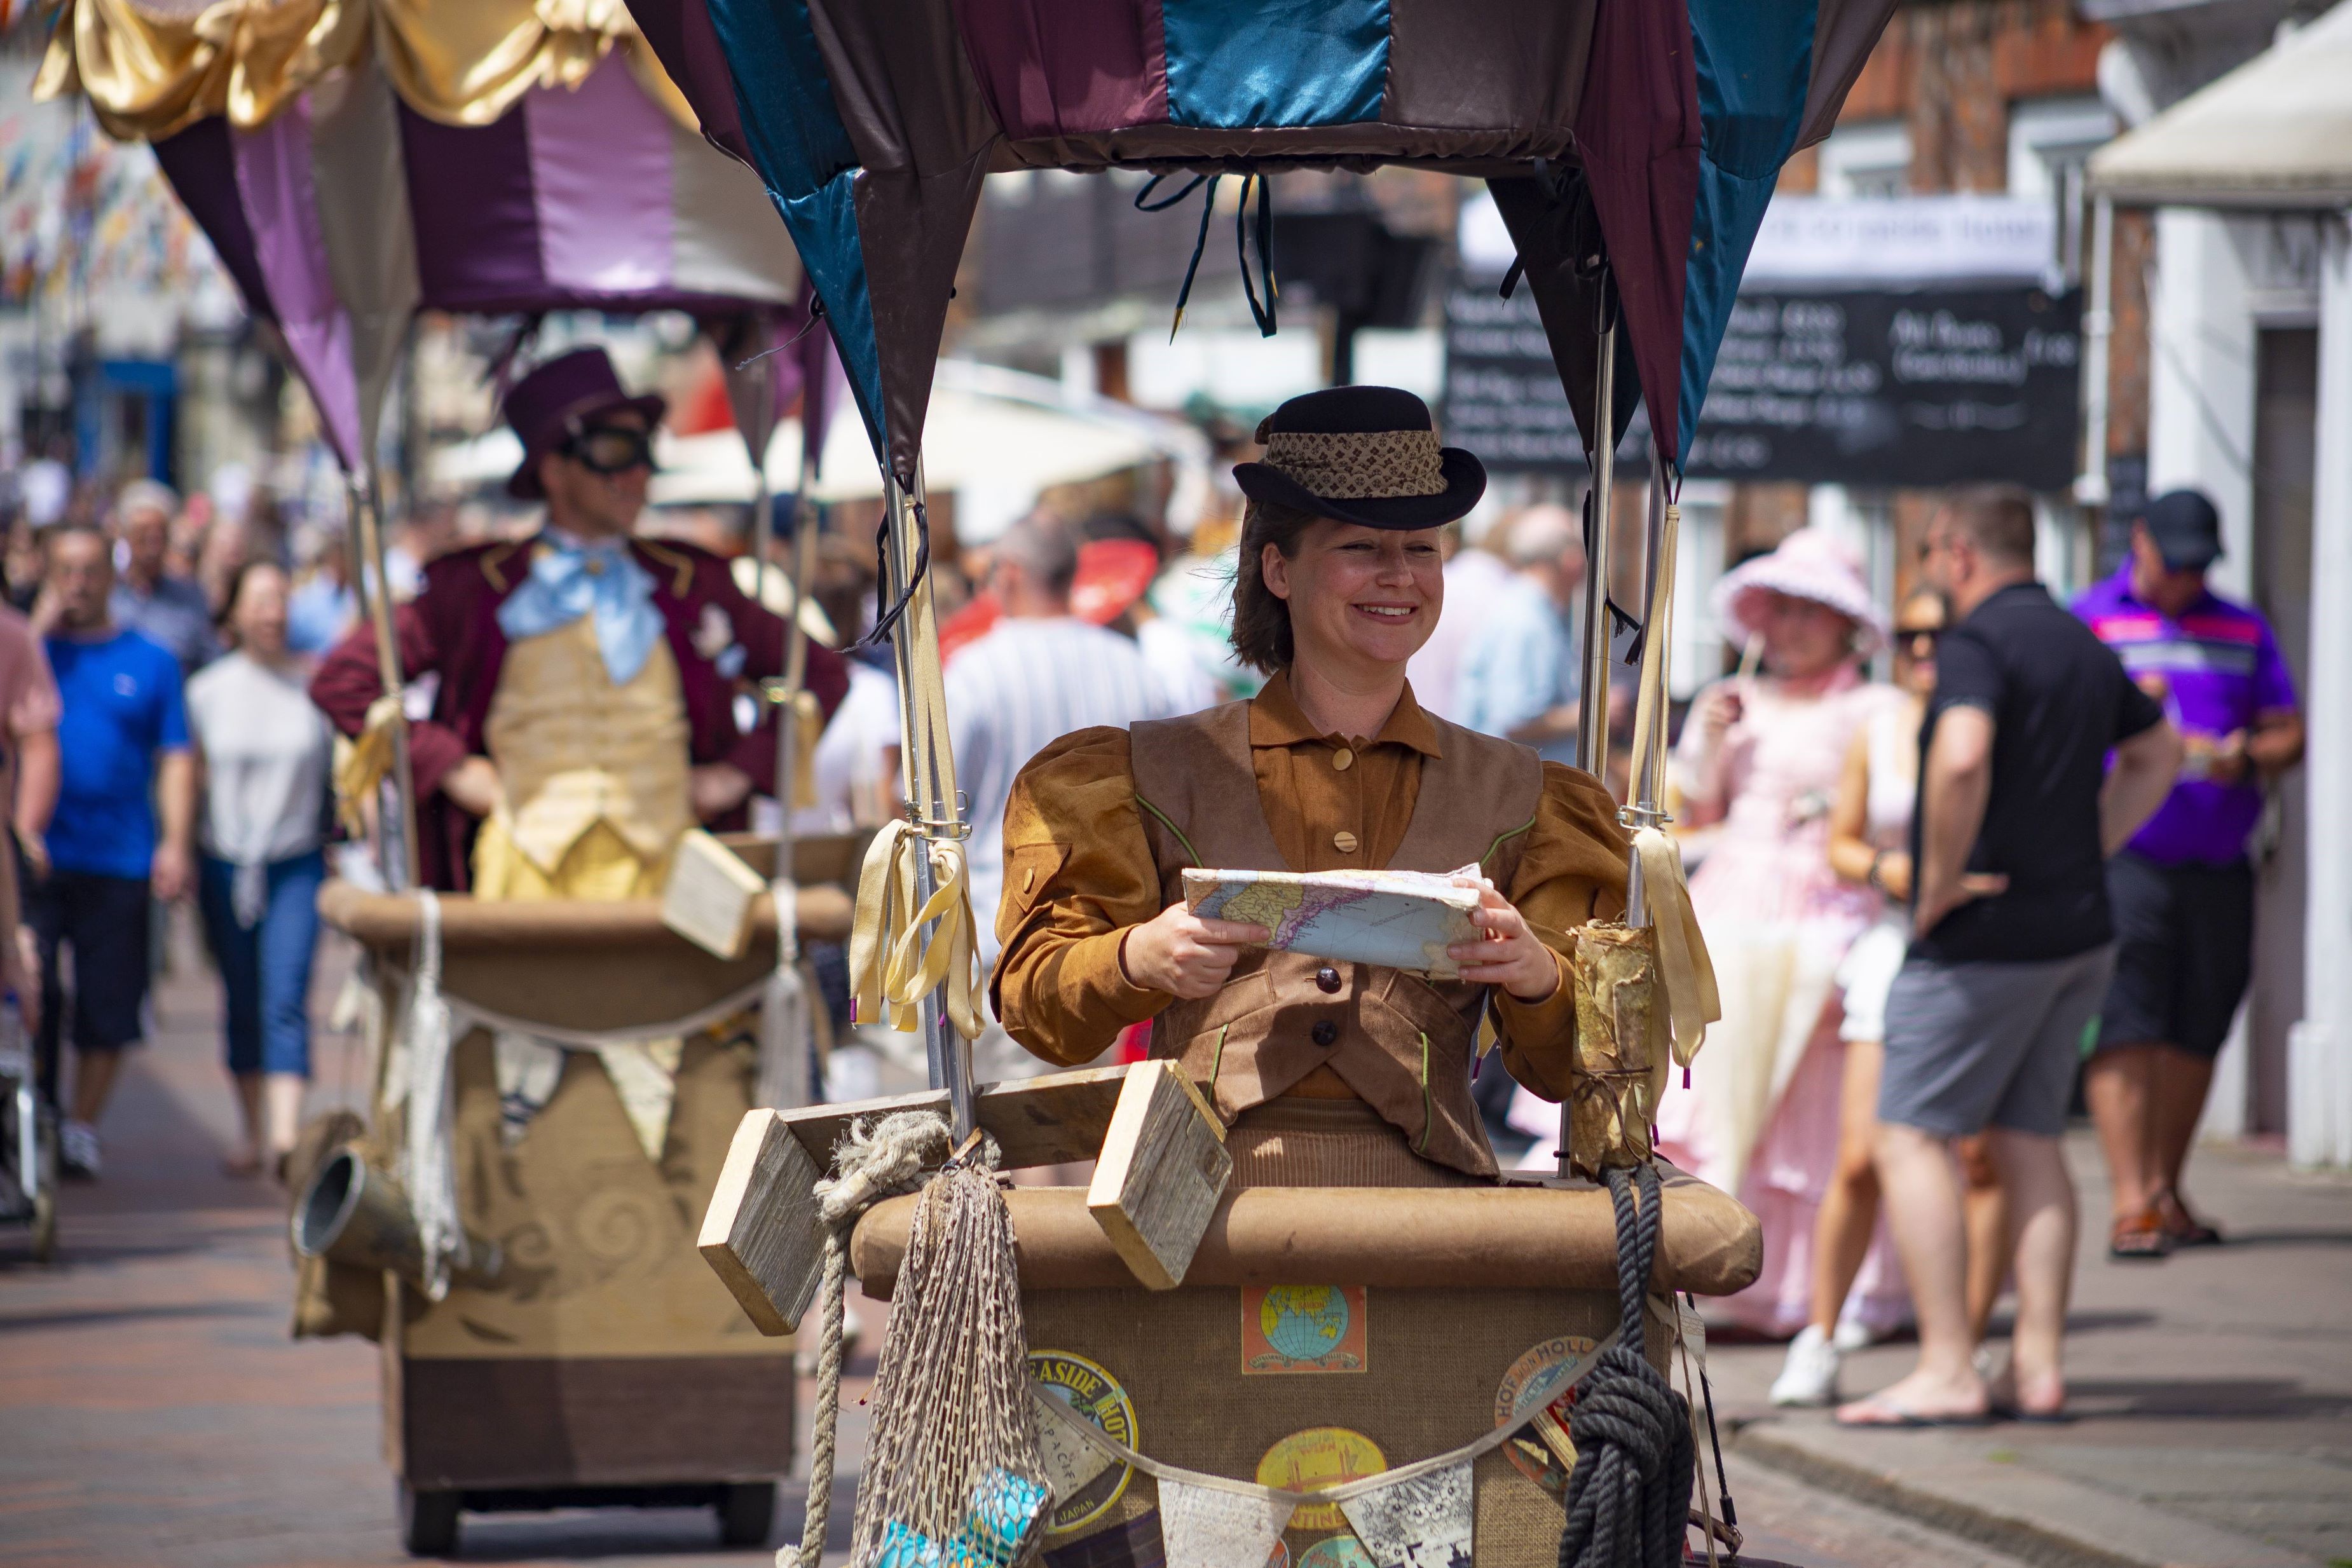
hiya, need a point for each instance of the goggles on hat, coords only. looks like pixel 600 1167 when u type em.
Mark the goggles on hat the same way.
pixel 609 449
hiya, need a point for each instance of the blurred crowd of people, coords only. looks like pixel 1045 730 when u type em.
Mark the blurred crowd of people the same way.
pixel 1882 806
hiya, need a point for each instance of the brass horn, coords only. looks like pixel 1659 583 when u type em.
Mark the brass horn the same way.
pixel 353 1213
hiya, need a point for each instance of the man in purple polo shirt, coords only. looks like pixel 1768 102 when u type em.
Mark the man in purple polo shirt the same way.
pixel 2183 891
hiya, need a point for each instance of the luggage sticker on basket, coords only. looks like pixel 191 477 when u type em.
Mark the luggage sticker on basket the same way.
pixel 1312 1460
pixel 1543 1380
pixel 1086 1483
pixel 1306 1328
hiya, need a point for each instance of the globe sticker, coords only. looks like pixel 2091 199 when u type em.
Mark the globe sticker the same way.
pixel 1541 1384
pixel 1317 1458
pixel 1306 1328
pixel 1085 1483
pixel 1339 1551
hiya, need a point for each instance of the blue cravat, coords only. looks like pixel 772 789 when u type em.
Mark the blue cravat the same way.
pixel 568 580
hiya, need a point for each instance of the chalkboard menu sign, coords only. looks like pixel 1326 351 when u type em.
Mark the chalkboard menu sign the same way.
pixel 1918 387
pixel 1925 387
pixel 1503 397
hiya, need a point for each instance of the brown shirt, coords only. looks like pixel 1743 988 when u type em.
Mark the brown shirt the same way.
pixel 1079 872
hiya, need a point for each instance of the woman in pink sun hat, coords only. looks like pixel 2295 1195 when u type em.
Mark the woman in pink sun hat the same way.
pixel 1759 765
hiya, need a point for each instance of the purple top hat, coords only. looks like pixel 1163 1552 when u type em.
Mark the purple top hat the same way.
pixel 557 399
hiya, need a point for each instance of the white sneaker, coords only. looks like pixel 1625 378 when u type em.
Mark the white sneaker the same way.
pixel 1853 1334
pixel 1810 1373
pixel 78 1150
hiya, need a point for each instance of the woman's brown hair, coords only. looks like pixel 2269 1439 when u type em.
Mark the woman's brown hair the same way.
pixel 1261 622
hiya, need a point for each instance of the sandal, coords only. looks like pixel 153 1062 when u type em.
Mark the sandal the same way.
pixel 2140 1239
pixel 2184 1229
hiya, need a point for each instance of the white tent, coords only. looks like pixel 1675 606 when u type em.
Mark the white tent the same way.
pixel 2275 134
pixel 994 436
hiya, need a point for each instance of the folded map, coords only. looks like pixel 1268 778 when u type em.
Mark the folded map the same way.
pixel 1399 919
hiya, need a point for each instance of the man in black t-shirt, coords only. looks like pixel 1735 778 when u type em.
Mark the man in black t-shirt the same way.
pixel 1985 1022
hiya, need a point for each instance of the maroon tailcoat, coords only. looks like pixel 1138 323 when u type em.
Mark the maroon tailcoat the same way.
pixel 451 631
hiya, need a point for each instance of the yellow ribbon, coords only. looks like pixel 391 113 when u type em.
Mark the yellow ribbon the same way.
pixel 891 968
pixel 362 764
pixel 1692 1000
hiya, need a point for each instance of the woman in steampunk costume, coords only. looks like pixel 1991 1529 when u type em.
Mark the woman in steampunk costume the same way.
pixel 1327 1073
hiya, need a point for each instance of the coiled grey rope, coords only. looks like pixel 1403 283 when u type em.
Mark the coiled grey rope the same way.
pixel 875 1161
pixel 1629 1495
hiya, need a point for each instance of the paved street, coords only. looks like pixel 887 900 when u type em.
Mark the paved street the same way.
pixel 154 1410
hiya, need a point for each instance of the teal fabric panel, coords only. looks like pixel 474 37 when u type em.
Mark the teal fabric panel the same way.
pixel 823 225
pixel 804 154
pixel 1255 63
pixel 1755 63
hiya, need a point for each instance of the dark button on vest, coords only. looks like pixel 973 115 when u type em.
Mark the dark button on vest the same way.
pixel 1327 1032
pixel 1327 981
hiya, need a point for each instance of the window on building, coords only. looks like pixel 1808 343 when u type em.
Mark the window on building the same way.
pixel 1870 158
pixel 2050 140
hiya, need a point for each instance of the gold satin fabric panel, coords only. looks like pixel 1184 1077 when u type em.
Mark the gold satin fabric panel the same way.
pixel 150 73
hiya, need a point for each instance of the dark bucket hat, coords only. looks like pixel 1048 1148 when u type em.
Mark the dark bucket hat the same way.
pixel 1362 454
pixel 556 400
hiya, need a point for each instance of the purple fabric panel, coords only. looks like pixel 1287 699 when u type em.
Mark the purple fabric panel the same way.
pixel 273 177
pixel 600 159
pixel 202 169
pixel 1051 67
pixel 688 47
pixel 470 194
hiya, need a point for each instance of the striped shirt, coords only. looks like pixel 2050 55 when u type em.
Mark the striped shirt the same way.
pixel 1013 692
pixel 2217 669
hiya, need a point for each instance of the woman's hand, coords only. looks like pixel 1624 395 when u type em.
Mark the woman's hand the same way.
pixel 1715 710
pixel 1507 954
pixel 1181 954
pixel 473 785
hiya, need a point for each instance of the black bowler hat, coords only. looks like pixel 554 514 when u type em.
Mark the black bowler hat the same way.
pixel 1362 454
pixel 2185 529
pixel 556 400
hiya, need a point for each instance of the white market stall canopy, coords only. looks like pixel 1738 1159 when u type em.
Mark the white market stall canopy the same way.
pixel 2275 134
pixel 990 428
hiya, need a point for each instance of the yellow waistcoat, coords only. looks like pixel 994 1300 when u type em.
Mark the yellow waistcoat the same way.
pixel 595 774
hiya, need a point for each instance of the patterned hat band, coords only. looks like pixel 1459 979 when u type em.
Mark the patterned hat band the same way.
pixel 1359 464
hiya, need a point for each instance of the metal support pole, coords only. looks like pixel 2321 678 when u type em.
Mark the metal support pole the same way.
pixel 2091 488
pixel 1647 783
pixel 368 553
pixel 932 803
pixel 1592 707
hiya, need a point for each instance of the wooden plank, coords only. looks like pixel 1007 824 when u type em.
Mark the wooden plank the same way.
pixel 1053 1120
pixel 1162 1168
pixel 762 1234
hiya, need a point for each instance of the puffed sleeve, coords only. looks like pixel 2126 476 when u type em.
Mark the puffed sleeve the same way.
pixel 1078 875
pixel 1572 871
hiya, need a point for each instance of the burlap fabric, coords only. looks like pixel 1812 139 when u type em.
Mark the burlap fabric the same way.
pixel 1436 1364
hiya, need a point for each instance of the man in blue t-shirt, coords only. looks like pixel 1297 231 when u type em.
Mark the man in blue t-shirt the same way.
pixel 124 736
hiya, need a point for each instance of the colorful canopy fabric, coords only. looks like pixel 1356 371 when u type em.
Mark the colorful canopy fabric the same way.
pixel 348 211
pixel 873 121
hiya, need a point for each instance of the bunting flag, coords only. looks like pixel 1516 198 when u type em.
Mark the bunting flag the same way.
pixel 1212 1527
pixel 1425 1521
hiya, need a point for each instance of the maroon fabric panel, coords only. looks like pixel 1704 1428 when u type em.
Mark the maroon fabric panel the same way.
pixel 688 47
pixel 1638 131
pixel 1844 32
pixel 1049 68
pixel 1487 63
pixel 476 218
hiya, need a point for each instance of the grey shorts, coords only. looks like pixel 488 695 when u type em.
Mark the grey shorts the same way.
pixel 1970 1046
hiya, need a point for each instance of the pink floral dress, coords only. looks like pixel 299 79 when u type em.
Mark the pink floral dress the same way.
pixel 1760 1115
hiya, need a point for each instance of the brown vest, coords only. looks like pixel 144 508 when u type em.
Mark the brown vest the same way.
pixel 1402 1041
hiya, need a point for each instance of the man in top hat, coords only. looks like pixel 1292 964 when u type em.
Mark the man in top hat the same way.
pixel 585 714
pixel 2182 890
pixel 1329 1073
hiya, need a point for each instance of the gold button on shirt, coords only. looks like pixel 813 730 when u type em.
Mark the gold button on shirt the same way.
pixel 1075 846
